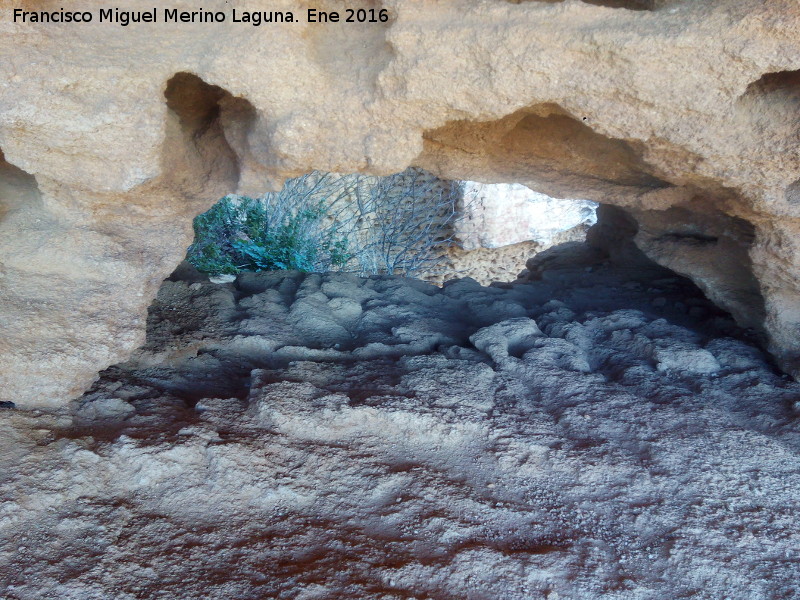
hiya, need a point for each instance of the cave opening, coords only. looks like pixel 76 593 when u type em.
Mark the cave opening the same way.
pixel 385 399
pixel 411 224
pixel 256 297
pixel 270 273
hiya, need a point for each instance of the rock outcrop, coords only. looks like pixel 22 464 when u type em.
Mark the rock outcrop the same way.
pixel 683 113
pixel 595 435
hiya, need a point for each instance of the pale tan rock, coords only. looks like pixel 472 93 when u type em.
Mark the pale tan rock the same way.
pixel 690 104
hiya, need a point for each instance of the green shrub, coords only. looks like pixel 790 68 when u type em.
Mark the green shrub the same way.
pixel 323 222
pixel 277 232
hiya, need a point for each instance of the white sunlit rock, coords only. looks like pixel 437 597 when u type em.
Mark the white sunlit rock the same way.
pixel 502 214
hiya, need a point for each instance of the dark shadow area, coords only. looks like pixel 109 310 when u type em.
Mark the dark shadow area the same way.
pixel 713 249
pixel 194 101
pixel 206 340
pixel 784 84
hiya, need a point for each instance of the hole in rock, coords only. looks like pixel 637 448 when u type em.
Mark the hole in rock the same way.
pixel 306 274
pixel 194 101
pixel 411 224
pixel 781 84
pixel 198 154
pixel 18 189
pixel 770 107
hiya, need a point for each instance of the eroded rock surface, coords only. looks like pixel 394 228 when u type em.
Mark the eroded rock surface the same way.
pixel 597 434
pixel 647 104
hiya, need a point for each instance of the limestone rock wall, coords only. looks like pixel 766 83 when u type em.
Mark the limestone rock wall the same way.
pixel 113 138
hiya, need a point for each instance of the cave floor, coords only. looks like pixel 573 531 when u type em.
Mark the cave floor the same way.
pixel 601 433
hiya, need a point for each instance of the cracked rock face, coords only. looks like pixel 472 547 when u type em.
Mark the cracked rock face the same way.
pixel 605 434
pixel 105 160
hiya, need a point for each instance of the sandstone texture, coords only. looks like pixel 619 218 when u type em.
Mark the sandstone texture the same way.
pixel 684 113
pixel 606 434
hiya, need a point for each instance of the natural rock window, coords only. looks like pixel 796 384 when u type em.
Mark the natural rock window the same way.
pixel 411 224
pixel 502 226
